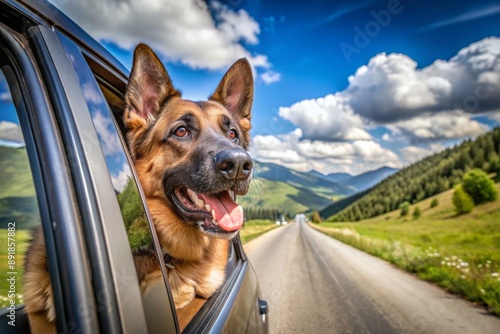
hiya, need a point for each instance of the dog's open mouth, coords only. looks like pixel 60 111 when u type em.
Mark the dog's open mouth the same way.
pixel 216 212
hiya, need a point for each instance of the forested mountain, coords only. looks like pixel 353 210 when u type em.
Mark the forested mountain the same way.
pixel 358 182
pixel 425 178
pixel 368 179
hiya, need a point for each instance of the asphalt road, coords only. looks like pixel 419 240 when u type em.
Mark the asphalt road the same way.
pixel 315 284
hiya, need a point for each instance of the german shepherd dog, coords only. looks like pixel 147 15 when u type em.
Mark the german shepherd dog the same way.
pixel 191 160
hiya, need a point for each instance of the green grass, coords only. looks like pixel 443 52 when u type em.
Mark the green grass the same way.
pixel 21 240
pixel 460 253
pixel 255 228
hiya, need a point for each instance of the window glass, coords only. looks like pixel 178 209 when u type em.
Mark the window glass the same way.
pixel 121 176
pixel 19 212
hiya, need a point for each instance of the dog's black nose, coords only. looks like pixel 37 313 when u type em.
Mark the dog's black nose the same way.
pixel 234 164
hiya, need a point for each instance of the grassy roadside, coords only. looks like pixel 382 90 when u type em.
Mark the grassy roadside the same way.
pixel 21 241
pixel 459 253
pixel 255 228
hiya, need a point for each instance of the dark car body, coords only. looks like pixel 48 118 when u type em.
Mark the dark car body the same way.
pixel 67 92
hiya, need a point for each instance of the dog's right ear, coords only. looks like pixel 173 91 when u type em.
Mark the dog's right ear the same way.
pixel 149 88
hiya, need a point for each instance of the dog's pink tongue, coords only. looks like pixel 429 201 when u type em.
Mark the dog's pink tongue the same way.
pixel 228 213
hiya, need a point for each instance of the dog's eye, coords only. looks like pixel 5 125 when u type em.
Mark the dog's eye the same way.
pixel 232 134
pixel 181 131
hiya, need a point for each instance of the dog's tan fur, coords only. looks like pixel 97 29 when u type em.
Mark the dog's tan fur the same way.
pixel 152 106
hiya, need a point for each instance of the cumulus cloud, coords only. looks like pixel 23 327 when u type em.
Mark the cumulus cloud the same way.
pixel 105 129
pixel 304 154
pixel 392 88
pixel 330 118
pixel 121 178
pixel 193 32
pixel 411 154
pixel 443 126
pixel 432 103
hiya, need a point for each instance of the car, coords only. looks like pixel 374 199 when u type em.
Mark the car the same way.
pixel 65 167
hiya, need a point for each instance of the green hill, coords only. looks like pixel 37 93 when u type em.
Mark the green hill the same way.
pixel 425 178
pixel 281 196
pixel 320 185
pixel 17 194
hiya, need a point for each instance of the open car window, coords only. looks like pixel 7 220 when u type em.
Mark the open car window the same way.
pixel 19 212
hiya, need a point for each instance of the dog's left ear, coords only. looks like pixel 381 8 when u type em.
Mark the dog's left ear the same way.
pixel 235 92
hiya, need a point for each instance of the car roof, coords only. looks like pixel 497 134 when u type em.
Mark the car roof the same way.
pixel 43 12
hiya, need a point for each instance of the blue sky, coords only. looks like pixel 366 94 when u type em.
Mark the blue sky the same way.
pixel 340 86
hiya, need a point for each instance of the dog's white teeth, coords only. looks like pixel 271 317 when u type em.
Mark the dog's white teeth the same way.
pixel 215 222
pixel 213 215
pixel 192 195
pixel 196 200
pixel 208 207
pixel 231 193
pixel 199 202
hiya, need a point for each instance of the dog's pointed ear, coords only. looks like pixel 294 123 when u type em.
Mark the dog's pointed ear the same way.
pixel 235 92
pixel 149 87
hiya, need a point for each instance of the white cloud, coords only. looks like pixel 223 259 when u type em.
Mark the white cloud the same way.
pixel 442 126
pixel 411 154
pixel 392 88
pixel 303 154
pixel 108 138
pixel 120 179
pixel 181 30
pixel 329 118
pixel 269 77
pixel 433 103
pixel 5 97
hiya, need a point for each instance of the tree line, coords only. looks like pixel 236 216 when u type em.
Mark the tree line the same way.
pixel 426 177
pixel 264 213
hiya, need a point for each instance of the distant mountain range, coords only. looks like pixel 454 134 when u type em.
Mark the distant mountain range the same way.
pixel 358 182
pixel 311 181
pixel 278 187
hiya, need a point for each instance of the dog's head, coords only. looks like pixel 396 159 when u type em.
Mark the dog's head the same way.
pixel 191 155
